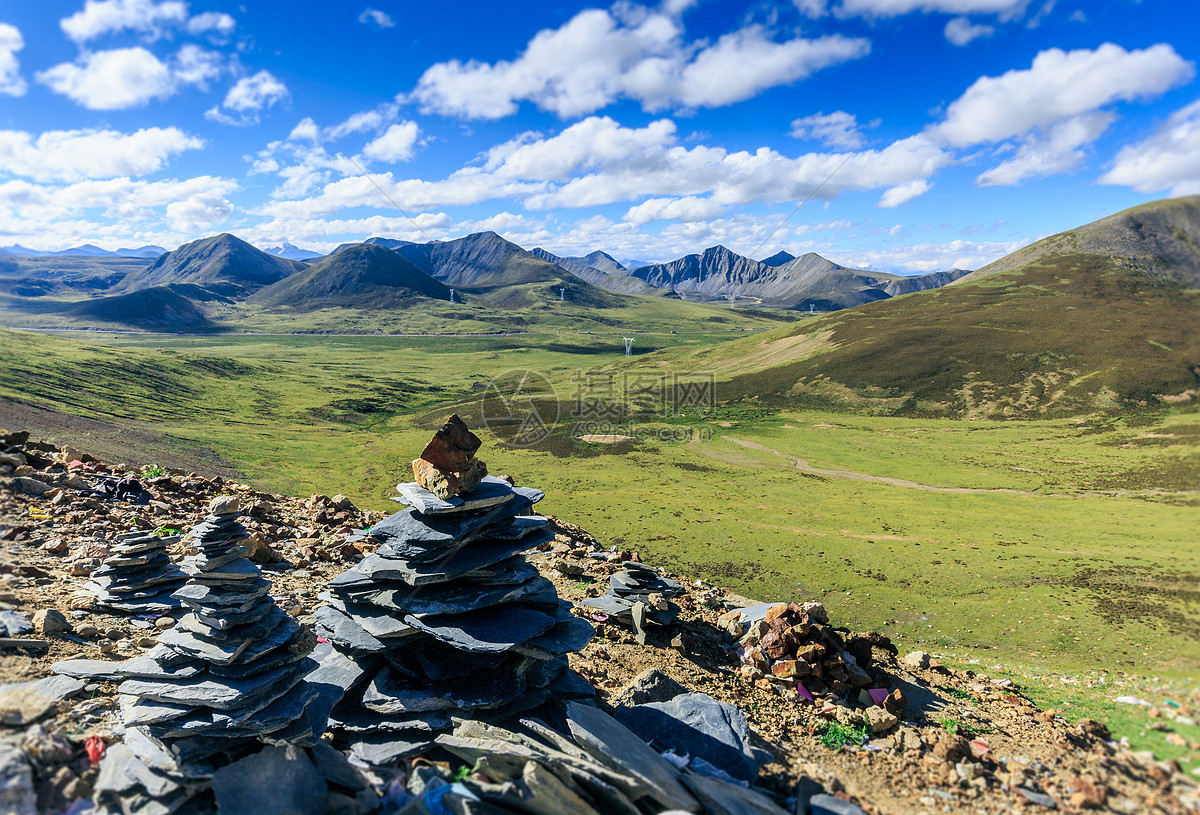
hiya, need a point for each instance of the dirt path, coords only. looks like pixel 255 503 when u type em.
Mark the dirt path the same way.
pixel 849 475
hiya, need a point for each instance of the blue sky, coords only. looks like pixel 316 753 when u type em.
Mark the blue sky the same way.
pixel 928 133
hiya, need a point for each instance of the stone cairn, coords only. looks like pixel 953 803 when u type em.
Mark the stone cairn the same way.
pixel 198 708
pixel 446 619
pixel 638 595
pixel 139 577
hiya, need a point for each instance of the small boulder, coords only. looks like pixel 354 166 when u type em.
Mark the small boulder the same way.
pixel 50 621
pixel 917 661
pixel 879 720
pixel 224 505
pixel 951 748
pixel 651 685
pixel 29 486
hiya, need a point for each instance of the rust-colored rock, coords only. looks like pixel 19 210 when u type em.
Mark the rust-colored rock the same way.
pixel 447 466
pixel 452 447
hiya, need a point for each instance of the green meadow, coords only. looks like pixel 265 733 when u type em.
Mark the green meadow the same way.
pixel 1067 543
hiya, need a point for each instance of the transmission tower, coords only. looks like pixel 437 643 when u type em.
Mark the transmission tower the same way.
pixel 628 346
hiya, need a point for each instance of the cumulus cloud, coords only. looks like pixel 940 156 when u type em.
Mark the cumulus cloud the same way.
pixel 903 193
pixel 212 22
pixel 129 77
pixel 597 161
pixel 248 97
pixel 100 17
pixel 927 257
pixel 837 129
pixel 635 54
pixel 1168 160
pixel 1057 86
pixel 687 209
pixel 396 143
pixel 11 41
pixel 379 18
pixel 1057 151
pixel 1045 115
pixel 960 31
pixel 1004 9
pixel 78 154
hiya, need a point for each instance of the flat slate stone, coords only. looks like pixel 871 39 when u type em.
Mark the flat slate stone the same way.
pixel 381 623
pixel 356 720
pixel 388 694
pixel 382 749
pixel 421 538
pixel 15 624
pixel 722 798
pixel 460 596
pixel 275 781
pixel 342 630
pixel 241 600
pixel 26 702
pixel 613 744
pixel 490 492
pixel 255 629
pixel 568 635
pixel 224 694
pixel 484 631
pixel 470 558
pixel 695 724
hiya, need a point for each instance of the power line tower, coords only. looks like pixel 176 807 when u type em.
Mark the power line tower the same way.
pixel 628 346
pixel 562 294
pixel 452 295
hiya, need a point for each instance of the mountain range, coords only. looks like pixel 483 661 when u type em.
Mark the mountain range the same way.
pixel 86 250
pixel 483 268
pixel 1100 318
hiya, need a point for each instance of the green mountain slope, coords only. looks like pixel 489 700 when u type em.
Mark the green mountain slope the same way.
pixel 159 308
pixel 1060 333
pixel 361 276
pixel 224 264
pixel 1161 238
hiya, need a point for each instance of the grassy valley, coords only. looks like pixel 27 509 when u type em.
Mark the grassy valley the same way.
pixel 1007 466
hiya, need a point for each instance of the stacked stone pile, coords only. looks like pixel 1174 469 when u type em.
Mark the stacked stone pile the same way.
pixel 446 619
pixel 794 646
pixel 139 576
pixel 638 595
pixel 226 680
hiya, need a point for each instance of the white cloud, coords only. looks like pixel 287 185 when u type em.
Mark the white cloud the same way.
pixel 379 18
pixel 1004 9
pixel 77 154
pixel 927 257
pixel 811 8
pixel 1057 86
pixel 903 193
pixel 216 22
pixel 687 209
pixel 396 143
pixel 255 92
pixel 960 31
pixel 1168 160
pixel 129 77
pixel 249 96
pixel 11 41
pixel 100 17
pixel 307 130
pixel 837 129
pixel 1057 151
pixel 597 162
pixel 632 53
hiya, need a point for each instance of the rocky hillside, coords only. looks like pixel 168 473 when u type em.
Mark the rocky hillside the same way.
pixel 787 281
pixel 223 263
pixel 1161 239
pixel 917 737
